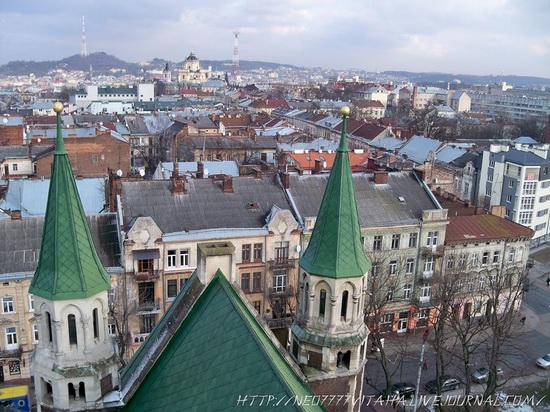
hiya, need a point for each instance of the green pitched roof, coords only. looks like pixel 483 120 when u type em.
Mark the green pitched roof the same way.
pixel 335 249
pixel 218 354
pixel 69 267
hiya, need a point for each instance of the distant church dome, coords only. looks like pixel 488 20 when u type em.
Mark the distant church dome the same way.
pixel 191 57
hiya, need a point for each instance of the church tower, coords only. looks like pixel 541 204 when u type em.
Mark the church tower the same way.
pixel 75 361
pixel 329 335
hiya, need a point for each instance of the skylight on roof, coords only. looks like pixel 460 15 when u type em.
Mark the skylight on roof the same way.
pixel 401 199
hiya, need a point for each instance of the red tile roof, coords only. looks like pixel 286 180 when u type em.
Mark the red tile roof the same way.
pixel 306 161
pixel 485 227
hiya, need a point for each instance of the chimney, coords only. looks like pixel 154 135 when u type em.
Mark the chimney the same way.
pixel 178 185
pixel 285 180
pixel 200 170
pixel 258 173
pixel 227 186
pixel 15 215
pixel 498 210
pixel 318 167
pixel 380 177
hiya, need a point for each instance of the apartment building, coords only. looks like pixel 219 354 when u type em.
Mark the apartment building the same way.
pixel 518 178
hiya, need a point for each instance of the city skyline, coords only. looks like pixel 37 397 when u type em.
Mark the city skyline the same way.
pixel 492 37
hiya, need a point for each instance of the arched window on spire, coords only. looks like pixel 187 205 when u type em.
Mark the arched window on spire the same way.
pixel 322 303
pixel 95 321
pixel 306 298
pixel 71 320
pixel 344 308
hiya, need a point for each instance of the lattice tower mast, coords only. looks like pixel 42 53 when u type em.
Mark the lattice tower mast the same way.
pixel 84 52
pixel 236 33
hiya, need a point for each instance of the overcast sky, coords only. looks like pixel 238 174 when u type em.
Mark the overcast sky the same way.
pixel 455 36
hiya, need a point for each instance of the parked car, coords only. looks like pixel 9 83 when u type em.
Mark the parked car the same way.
pixel 544 361
pixel 482 374
pixel 447 384
pixel 401 389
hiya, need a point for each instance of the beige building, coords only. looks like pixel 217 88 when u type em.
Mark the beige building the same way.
pixel 191 72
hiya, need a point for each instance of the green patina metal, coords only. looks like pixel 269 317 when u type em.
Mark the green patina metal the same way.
pixel 69 267
pixel 335 249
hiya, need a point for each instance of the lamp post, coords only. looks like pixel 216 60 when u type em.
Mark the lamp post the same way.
pixel 421 364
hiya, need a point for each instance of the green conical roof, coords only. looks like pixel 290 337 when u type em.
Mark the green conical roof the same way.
pixel 69 267
pixel 335 249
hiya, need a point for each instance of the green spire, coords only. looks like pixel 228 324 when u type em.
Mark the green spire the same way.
pixel 69 267
pixel 335 249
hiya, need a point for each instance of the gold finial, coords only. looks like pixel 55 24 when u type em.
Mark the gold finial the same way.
pixel 344 111
pixel 58 107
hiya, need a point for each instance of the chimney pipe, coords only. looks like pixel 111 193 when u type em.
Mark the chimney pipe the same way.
pixel 227 186
pixel 200 170
pixel 380 177
pixel 285 180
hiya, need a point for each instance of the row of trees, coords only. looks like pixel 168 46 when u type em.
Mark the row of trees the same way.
pixel 473 319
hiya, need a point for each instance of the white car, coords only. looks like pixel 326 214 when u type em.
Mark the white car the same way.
pixel 544 361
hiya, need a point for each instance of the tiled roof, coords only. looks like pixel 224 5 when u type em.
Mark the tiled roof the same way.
pixel 217 354
pixel 68 267
pixel 335 249
pixel 306 161
pixel 483 227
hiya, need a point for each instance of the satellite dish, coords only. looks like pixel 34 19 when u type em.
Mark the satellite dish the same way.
pixel 324 165
pixel 39 140
pixel 298 248
pixel 5 120
pixel 141 172
pixel 119 173
pixel 206 171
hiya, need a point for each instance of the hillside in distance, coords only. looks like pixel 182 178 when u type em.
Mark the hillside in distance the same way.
pixel 103 63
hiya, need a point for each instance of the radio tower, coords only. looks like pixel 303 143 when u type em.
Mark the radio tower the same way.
pixel 236 33
pixel 83 53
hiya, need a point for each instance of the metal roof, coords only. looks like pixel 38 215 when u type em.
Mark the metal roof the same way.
pixel 378 205
pixel 224 167
pixel 418 148
pixel 449 153
pixel 484 227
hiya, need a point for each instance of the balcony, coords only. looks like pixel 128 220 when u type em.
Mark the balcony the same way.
pixel 152 306
pixel 287 290
pixel 12 353
pixel 434 250
pixel 281 263
pixel 283 322
pixel 147 276
pixel 422 302
pixel 427 274
pixel 138 337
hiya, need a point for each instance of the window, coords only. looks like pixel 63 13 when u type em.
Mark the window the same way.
pixel 257 281
pixel 245 282
pixel 395 241
pixel 281 252
pixel 7 305
pixel 375 270
pixel 450 262
pixel 489 177
pixel 527 202
pixel 14 167
pixel 462 261
pixel 111 329
pixel 432 238
pixel 488 191
pixel 429 264
pixel 35 333
pixel 388 318
pixel 279 281
pixel 413 239
pixel 258 251
pixel 146 323
pixel 145 265
pixel 529 188
pixel 525 218
pixel 393 267
pixel 344 307
pixel 146 295
pixel 473 261
pixel 485 258
pixel 510 183
pixel 407 289
pixel 491 163
pixel 184 257
pixel 422 314
pixel 543 212
pixel 171 259
pixel 377 243
pixel 496 257
pixel 171 288
pixel 31 302
pixel 322 302
pixel 94 158
pixel 95 323
pixel 14 368
pixel 426 291
pixel 246 253
pixel 409 268
pixel 257 305
pixel 509 198
pixel 389 294
pixel 71 323
pixel 511 255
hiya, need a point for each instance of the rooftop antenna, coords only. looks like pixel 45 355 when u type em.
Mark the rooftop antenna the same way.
pixel 84 52
pixel 236 33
